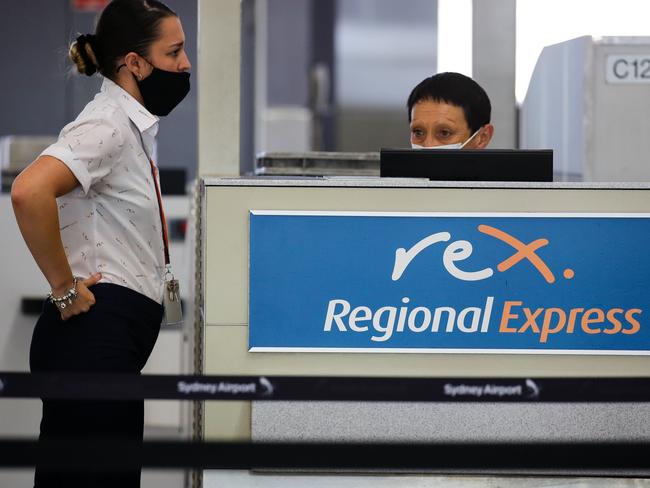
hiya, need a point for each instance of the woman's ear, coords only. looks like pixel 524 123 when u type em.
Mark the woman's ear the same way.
pixel 134 64
pixel 485 136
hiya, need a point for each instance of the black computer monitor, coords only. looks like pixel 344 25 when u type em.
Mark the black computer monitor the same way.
pixel 468 164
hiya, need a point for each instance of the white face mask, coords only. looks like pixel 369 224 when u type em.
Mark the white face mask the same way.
pixel 458 145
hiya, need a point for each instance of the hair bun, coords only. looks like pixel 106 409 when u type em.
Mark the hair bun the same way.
pixel 82 53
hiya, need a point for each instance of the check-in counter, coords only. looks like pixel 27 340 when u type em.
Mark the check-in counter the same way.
pixel 411 278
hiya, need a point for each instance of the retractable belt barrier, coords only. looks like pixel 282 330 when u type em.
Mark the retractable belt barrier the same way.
pixel 618 459
pixel 598 458
pixel 321 388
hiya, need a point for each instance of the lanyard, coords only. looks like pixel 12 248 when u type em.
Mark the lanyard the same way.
pixel 163 221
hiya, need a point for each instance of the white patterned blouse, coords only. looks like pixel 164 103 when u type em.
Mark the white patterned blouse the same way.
pixel 111 223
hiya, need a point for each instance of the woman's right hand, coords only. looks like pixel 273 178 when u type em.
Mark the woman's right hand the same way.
pixel 85 298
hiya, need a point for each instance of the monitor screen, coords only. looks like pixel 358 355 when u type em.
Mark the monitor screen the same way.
pixel 468 164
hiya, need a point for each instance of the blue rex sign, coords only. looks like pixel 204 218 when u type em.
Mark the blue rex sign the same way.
pixel 429 282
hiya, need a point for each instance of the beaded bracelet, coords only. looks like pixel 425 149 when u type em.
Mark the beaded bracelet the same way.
pixel 66 299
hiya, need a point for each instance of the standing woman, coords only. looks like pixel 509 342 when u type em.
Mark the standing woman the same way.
pixel 89 210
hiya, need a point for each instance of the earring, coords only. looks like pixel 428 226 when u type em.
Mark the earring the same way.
pixel 140 76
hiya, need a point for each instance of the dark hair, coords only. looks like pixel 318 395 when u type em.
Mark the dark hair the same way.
pixel 124 26
pixel 454 89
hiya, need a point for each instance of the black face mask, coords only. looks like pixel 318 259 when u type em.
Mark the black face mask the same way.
pixel 163 90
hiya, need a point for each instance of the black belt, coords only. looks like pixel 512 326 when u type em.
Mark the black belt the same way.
pixel 321 388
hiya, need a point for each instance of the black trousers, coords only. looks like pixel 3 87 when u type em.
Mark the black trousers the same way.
pixel 117 335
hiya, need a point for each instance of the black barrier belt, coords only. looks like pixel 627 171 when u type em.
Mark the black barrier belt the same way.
pixel 129 387
pixel 605 458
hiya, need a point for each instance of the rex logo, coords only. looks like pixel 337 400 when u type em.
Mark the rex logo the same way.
pixel 461 250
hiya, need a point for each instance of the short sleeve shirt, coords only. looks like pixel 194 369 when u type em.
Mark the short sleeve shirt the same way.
pixel 111 222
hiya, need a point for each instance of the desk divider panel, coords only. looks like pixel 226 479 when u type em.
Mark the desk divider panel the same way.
pixel 225 222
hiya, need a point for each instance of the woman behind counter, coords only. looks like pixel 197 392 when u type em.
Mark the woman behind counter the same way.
pixel 89 210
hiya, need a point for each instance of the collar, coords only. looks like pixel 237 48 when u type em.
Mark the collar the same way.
pixel 140 116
